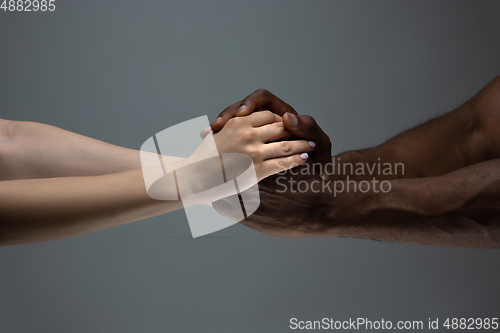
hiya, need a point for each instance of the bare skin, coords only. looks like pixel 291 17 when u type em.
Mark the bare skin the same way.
pixel 57 184
pixel 449 194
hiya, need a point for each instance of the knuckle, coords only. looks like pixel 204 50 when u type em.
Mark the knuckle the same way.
pixel 261 92
pixel 281 163
pixel 295 160
pixel 267 113
pixel 234 122
pixel 251 151
pixel 228 110
pixel 238 121
pixel 249 135
pixel 309 121
pixel 286 146
pixel 290 109
pixel 288 162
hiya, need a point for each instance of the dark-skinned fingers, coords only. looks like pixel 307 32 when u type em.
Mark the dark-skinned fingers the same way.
pixel 224 116
pixel 305 127
pixel 262 98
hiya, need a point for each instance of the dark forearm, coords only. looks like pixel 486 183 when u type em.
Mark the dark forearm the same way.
pixel 434 148
pixel 463 137
pixel 457 209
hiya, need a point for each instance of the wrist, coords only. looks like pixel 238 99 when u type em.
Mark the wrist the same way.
pixel 335 171
pixel 350 210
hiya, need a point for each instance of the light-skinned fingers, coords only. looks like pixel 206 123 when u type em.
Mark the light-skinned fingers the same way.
pixel 275 165
pixel 272 132
pixel 224 116
pixel 258 100
pixel 205 132
pixel 261 118
pixel 286 148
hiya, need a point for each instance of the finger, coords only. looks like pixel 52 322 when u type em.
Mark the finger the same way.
pixel 272 132
pixel 305 127
pixel 224 116
pixel 263 99
pixel 258 100
pixel 286 148
pixel 275 165
pixel 205 132
pixel 262 118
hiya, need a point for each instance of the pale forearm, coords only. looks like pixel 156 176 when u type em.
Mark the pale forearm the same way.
pixel 33 150
pixel 45 209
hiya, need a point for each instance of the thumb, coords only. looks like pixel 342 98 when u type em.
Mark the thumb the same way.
pixel 305 127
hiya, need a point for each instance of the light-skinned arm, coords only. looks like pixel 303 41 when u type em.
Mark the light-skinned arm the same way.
pixel 33 210
pixel 31 150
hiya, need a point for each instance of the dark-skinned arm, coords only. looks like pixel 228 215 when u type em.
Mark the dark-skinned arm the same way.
pixel 461 208
pixel 463 137
pixel 449 194
pixel 458 209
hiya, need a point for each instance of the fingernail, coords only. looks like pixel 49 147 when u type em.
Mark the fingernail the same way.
pixel 304 156
pixel 217 119
pixel 294 121
pixel 242 109
pixel 312 144
pixel 205 132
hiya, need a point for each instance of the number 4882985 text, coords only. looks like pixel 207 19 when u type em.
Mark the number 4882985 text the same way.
pixel 28 5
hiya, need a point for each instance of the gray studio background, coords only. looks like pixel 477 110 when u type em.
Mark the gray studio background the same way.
pixel 121 71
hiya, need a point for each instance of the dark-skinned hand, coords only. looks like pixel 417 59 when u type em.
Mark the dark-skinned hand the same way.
pixel 285 211
pixel 300 126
